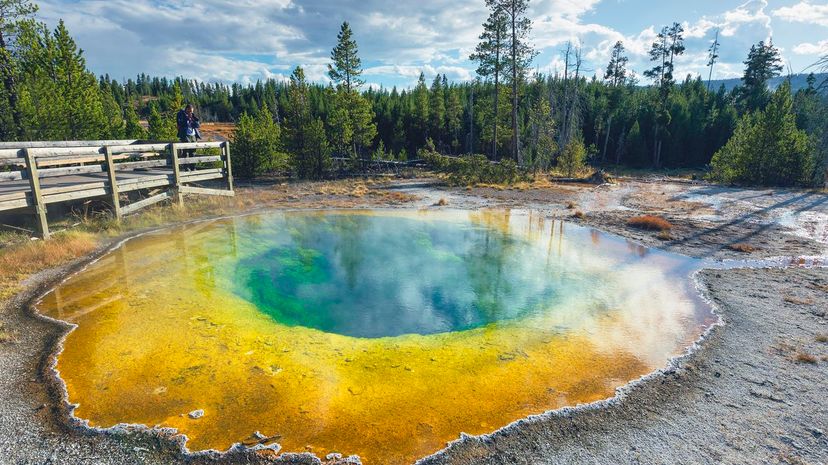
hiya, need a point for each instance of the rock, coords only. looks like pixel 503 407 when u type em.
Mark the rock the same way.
pixel 333 456
pixel 601 177
pixel 196 414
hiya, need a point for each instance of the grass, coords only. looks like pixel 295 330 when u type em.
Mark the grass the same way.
pixel 665 235
pixel 5 335
pixel 21 260
pixel 441 203
pixel 578 214
pixel 741 247
pixel 822 338
pixel 797 301
pixel 79 234
pixel 570 206
pixel 650 223
pixel 805 357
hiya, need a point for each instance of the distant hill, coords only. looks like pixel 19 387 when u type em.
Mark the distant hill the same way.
pixel 798 81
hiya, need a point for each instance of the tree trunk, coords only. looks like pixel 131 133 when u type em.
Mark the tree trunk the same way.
pixel 606 140
pixel 496 113
pixel 515 141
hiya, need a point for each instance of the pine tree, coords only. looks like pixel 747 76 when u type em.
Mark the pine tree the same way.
pixel 521 53
pixel 160 128
pixel 12 14
pixel 762 64
pixel 767 148
pixel 668 45
pixel 572 159
pixel 491 55
pixel 346 67
pixel 437 111
pixel 352 116
pixel 616 73
pixel 257 145
pixel 421 110
pixel 132 127
pixel 454 119
pixel 304 136
pixel 60 98
pixel 712 56
pixel 541 141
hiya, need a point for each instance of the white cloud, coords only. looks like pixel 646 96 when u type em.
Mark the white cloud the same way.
pixel 806 48
pixel 804 12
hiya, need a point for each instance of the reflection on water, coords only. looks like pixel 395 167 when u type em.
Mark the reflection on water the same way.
pixel 382 334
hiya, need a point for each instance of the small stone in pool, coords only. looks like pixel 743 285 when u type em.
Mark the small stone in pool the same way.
pixel 196 414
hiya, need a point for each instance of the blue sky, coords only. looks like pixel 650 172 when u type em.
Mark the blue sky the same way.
pixel 246 40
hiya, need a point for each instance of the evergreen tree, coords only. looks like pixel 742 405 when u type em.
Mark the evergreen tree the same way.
pixel 346 67
pixel 520 56
pixel 12 14
pixel 305 138
pixel 132 126
pixel 491 56
pixel 616 74
pixel 668 45
pixel 762 64
pixel 767 148
pixel 454 120
pixel 712 56
pixel 161 128
pixel 541 141
pixel 572 159
pixel 60 97
pixel 421 111
pixel 437 111
pixel 257 145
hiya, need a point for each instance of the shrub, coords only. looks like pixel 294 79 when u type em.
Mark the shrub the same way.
pixel 650 223
pixel 744 248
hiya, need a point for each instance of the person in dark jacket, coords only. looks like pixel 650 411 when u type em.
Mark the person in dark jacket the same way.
pixel 188 125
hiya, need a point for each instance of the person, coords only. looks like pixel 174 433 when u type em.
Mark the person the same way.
pixel 188 126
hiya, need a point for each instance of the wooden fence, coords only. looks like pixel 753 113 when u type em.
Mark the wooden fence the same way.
pixel 36 174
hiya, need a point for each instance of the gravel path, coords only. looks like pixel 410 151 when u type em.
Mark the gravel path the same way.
pixel 744 397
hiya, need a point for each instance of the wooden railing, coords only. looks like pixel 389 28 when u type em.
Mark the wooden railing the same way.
pixel 35 174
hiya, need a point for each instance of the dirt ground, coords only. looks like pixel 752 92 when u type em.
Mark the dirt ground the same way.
pixel 753 392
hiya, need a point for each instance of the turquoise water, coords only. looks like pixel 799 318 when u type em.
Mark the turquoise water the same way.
pixel 377 276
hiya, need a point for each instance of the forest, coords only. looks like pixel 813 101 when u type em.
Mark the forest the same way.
pixel 747 135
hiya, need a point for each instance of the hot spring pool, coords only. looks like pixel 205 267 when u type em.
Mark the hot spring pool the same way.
pixel 383 334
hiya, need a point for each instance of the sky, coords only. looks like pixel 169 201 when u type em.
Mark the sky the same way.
pixel 247 40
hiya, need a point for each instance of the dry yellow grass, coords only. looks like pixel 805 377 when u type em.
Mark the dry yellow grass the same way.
pixel 797 301
pixel 665 235
pixel 650 223
pixel 804 357
pixel 441 203
pixel 822 338
pixel 579 214
pixel 22 260
pixel 741 247
pixel 5 335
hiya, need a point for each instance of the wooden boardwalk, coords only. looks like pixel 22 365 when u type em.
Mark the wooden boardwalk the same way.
pixel 36 174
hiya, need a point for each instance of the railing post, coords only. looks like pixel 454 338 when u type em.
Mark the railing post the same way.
pixel 37 197
pixel 113 183
pixel 228 168
pixel 178 195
